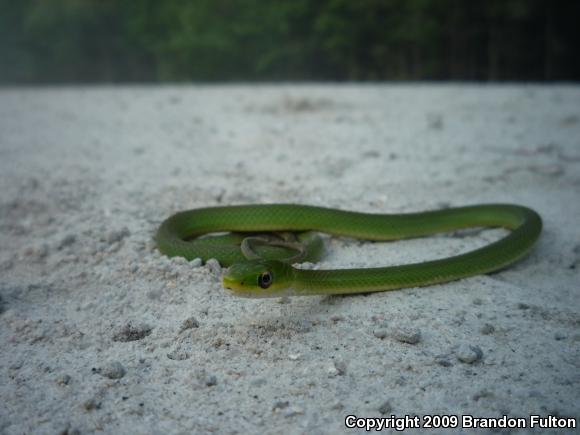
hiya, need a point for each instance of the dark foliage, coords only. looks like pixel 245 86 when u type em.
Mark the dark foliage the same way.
pixel 246 40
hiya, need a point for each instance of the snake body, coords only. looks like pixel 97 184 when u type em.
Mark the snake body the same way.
pixel 268 276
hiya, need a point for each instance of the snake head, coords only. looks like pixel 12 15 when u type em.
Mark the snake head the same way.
pixel 259 279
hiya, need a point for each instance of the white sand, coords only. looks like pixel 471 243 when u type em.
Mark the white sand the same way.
pixel 87 174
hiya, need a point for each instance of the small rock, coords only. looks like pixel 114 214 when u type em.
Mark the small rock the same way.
pixel 281 404
pixel 178 354
pixel 469 354
pixel 37 252
pixel 371 154
pixel 91 404
pixel 293 411
pixel 338 368
pixel 196 262
pixel 155 295
pixel 258 382
pixel 179 260
pixel 205 379
pixel 407 335
pixel 113 370
pixel 189 323
pixel 67 240
pixel 385 408
pixel 214 266
pixel 211 380
pixel 549 170
pixel 443 361
pixel 435 121
pixel 487 329
pixel 130 332
pixel 69 431
pixel 63 380
pixel 307 265
pixel 17 365
pixel 483 394
pixel 6 265
pixel 570 120
pixel 380 333
pixel 116 235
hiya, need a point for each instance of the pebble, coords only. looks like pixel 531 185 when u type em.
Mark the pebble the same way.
pixel 68 431
pixel 338 406
pixel 211 380
pixel 196 262
pixel 407 335
pixel 380 333
pixel 38 252
pixel 6 265
pixel 559 336
pixel 293 411
pixel 112 370
pixel 116 235
pixel 63 380
pixel 435 121
pixel 443 361
pixel 91 404
pixel 205 379
pixel 338 368
pixel 549 170
pixel 258 382
pixel 307 265
pixel 178 355
pixel 385 408
pixel 130 332
pixel 487 329
pixel 214 266
pixel 189 323
pixel 179 260
pixel 67 240
pixel 280 404
pixel 372 154
pixel 469 354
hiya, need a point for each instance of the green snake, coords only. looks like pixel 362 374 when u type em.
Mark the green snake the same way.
pixel 262 267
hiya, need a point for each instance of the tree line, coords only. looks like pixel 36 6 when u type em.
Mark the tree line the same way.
pixel 54 41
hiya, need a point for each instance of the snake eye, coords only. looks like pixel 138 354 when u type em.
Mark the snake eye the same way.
pixel 265 280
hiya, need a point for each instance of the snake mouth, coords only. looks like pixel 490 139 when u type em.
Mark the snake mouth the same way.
pixel 237 288
pixel 232 284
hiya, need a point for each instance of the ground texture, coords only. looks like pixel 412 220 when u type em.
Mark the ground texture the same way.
pixel 102 334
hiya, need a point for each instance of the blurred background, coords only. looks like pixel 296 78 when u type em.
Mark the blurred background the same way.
pixel 104 41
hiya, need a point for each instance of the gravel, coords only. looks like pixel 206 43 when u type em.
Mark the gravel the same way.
pixel 88 173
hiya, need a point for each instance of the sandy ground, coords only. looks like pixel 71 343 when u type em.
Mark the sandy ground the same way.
pixel 101 334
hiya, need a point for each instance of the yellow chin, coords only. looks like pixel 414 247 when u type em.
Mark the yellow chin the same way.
pixel 236 289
